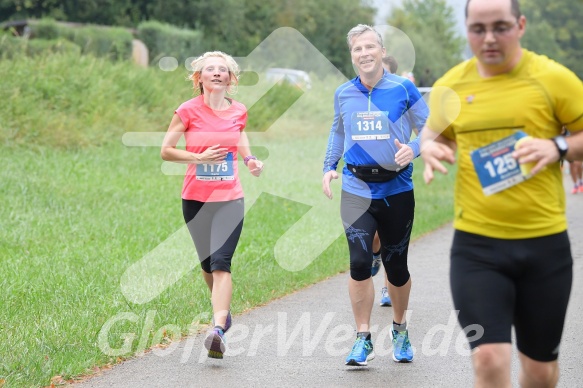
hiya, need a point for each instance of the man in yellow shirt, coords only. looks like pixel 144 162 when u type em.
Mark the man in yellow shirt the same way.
pixel 510 254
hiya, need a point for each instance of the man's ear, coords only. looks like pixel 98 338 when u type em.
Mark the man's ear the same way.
pixel 521 25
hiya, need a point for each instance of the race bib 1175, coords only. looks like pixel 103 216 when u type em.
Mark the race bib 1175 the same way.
pixel 216 172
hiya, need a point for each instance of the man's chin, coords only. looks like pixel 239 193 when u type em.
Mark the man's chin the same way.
pixel 491 59
pixel 369 69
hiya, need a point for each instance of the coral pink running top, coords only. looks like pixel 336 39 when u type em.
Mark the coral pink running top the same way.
pixel 204 128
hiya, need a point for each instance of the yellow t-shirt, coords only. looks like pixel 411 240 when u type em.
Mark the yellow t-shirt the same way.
pixel 538 96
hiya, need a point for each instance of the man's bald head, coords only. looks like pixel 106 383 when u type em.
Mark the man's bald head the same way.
pixel 514 8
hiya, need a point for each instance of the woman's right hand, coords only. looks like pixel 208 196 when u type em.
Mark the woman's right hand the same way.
pixel 213 155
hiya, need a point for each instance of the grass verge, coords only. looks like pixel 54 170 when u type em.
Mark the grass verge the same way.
pixel 77 216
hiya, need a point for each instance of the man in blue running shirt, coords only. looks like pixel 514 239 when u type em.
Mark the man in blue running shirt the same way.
pixel 373 118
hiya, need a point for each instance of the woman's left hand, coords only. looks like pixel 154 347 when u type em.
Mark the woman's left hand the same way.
pixel 255 167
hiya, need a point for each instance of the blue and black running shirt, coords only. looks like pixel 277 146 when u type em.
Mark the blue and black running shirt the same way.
pixel 366 124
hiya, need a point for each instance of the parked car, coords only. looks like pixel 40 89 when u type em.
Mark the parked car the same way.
pixel 292 76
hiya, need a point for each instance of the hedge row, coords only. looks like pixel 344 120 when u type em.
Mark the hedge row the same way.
pixel 111 42
pixel 162 40
pixel 11 46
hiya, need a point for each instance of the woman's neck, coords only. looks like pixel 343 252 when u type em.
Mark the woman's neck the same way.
pixel 216 101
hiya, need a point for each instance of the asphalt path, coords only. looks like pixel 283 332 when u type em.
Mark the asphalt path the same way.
pixel 303 338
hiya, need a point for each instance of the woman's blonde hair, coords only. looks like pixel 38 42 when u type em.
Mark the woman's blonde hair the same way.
pixel 198 64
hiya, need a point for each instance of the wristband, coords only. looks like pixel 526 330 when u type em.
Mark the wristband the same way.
pixel 248 158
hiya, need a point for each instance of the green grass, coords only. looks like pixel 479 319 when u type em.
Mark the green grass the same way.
pixel 80 208
pixel 72 101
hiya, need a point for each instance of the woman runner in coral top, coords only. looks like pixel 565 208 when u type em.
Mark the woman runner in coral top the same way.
pixel 212 196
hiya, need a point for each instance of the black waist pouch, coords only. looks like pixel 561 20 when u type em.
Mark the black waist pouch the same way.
pixel 373 173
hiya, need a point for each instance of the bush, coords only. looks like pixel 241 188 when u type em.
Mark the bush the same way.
pixel 45 29
pixel 166 40
pixel 110 42
pixel 11 46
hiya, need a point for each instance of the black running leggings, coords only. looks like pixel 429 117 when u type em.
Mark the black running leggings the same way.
pixel 392 217
pixel 215 228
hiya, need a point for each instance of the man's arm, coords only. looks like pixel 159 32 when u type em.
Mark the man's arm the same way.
pixel 334 149
pixel 575 142
pixel 435 148
pixel 415 118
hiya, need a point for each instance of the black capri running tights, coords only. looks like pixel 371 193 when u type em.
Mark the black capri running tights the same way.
pixel 392 217
pixel 215 228
pixel 498 283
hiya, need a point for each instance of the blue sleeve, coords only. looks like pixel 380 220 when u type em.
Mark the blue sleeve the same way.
pixel 335 146
pixel 417 113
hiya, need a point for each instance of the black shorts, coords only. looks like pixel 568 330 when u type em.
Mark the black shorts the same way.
pixel 498 283
pixel 392 217
pixel 215 228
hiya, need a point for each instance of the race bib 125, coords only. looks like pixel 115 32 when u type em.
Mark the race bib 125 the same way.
pixel 496 168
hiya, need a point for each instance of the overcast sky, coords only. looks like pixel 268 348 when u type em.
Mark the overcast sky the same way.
pixel 384 7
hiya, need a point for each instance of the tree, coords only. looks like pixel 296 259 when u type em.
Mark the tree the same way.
pixel 233 26
pixel 325 24
pixel 553 29
pixel 541 38
pixel 430 26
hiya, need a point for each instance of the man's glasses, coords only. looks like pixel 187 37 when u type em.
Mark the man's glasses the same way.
pixel 499 29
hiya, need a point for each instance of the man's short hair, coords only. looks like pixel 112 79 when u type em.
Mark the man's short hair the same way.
pixel 359 30
pixel 392 63
pixel 514 8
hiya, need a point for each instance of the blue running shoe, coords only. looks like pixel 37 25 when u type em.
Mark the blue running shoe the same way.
pixel 215 343
pixel 376 264
pixel 361 352
pixel 385 298
pixel 402 350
